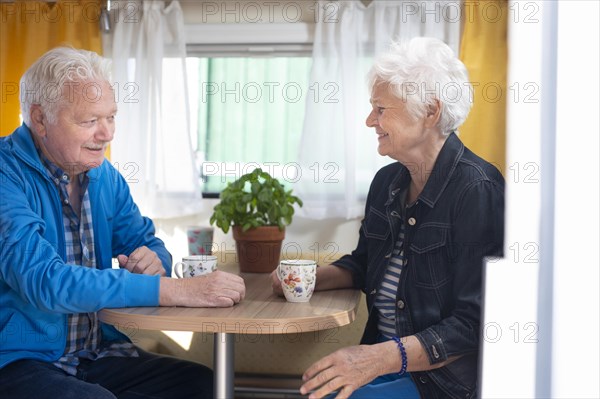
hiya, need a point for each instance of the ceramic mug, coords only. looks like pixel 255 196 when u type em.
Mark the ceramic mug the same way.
pixel 298 279
pixel 195 265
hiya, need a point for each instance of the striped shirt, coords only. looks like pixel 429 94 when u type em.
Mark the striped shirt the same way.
pixel 385 301
pixel 84 336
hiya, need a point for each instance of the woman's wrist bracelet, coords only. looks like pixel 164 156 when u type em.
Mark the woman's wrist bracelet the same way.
pixel 402 355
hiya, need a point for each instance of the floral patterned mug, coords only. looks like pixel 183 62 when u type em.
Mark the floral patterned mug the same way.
pixel 297 279
pixel 197 265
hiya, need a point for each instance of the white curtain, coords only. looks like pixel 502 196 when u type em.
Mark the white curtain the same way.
pixel 338 152
pixel 152 146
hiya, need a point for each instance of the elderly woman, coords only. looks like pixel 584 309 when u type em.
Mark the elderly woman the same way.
pixel 430 219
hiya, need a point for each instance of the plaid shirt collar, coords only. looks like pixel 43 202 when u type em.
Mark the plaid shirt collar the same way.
pixel 58 176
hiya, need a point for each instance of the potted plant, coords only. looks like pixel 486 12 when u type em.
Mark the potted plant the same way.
pixel 258 208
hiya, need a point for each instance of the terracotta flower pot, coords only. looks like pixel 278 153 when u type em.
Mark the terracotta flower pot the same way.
pixel 258 249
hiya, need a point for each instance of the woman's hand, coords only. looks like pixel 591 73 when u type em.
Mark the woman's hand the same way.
pixel 328 278
pixel 348 369
pixel 276 283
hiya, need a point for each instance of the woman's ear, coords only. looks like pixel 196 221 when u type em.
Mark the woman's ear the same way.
pixel 38 120
pixel 434 111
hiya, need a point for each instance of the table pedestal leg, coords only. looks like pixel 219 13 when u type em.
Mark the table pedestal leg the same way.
pixel 223 365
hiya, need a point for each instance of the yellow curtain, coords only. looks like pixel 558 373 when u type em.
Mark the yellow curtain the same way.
pixel 484 52
pixel 29 29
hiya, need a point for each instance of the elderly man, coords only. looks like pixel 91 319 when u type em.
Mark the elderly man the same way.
pixel 65 214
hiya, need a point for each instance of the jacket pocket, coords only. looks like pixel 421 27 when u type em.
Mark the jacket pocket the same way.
pixel 429 260
pixel 376 225
pixel 376 230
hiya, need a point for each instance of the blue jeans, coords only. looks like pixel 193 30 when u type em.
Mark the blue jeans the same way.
pixel 147 376
pixel 389 386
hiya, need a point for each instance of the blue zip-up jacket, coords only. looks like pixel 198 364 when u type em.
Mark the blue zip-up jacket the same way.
pixel 457 220
pixel 37 288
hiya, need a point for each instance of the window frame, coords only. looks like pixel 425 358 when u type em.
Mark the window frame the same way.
pixel 250 35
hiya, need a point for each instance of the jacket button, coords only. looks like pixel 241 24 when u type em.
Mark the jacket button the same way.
pixel 401 304
pixel 435 352
pixel 412 221
pixel 423 380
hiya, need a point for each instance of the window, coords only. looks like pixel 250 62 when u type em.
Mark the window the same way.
pixel 246 111
pixel 247 85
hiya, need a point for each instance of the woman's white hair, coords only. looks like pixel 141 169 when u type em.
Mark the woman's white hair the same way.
pixel 422 71
pixel 43 82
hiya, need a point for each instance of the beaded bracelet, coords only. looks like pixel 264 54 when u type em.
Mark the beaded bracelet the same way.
pixel 402 354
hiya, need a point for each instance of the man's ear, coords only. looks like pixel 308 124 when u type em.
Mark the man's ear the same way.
pixel 38 120
pixel 434 112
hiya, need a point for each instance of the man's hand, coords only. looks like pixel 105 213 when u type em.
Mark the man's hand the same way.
pixel 142 261
pixel 346 370
pixel 216 289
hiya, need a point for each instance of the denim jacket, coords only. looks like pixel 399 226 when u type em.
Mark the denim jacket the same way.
pixel 457 220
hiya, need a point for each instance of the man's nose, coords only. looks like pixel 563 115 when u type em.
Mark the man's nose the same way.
pixel 106 130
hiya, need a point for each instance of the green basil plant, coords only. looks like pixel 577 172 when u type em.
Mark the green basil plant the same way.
pixel 255 199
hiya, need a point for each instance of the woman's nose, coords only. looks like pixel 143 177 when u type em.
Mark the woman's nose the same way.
pixel 371 119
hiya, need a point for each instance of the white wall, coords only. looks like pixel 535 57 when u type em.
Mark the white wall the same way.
pixel 576 278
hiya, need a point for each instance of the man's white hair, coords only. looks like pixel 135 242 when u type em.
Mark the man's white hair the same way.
pixel 422 71
pixel 43 82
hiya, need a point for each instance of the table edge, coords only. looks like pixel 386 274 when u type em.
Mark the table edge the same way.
pixel 129 321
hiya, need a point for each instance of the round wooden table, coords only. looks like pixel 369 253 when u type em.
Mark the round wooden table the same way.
pixel 261 312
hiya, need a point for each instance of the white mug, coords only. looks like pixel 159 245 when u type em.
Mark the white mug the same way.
pixel 298 279
pixel 195 265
